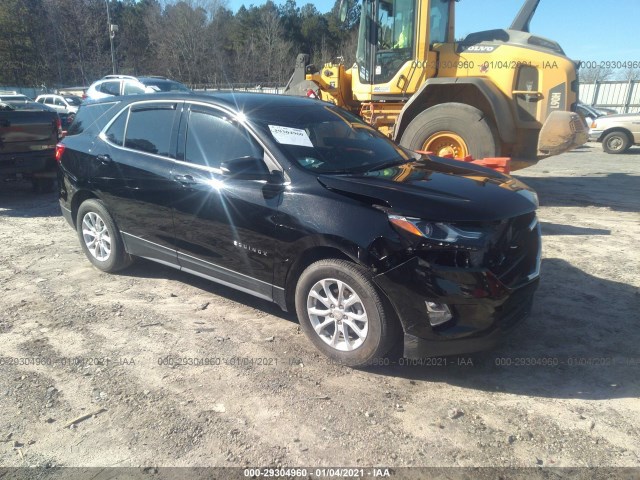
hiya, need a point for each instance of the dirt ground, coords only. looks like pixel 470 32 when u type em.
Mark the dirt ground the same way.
pixel 562 391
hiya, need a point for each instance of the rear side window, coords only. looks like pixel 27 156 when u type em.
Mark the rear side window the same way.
pixel 149 129
pixel 88 115
pixel 75 101
pixel 213 139
pixel 115 133
pixel 110 88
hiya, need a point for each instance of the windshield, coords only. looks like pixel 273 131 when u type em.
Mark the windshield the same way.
pixel 165 85
pixel 75 101
pixel 386 39
pixel 325 139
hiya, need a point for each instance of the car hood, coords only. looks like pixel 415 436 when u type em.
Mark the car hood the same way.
pixel 438 189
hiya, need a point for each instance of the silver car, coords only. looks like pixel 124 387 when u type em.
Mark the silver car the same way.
pixel 616 132
pixel 113 85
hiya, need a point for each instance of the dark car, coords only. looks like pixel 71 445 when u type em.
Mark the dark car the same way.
pixel 29 132
pixel 297 201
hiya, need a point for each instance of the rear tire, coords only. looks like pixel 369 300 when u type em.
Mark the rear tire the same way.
pixel 100 238
pixel 616 142
pixel 342 313
pixel 463 121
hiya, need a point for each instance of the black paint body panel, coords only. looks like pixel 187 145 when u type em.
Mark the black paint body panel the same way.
pixel 254 235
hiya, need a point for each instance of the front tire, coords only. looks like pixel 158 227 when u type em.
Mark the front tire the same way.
pixel 616 142
pixel 452 128
pixel 342 313
pixel 100 238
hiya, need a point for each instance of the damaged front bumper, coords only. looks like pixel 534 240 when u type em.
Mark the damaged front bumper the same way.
pixel 482 307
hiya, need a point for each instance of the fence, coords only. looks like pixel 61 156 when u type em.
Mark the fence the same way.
pixel 240 87
pixel 624 97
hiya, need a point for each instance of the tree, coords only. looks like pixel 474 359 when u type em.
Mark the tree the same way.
pixel 593 74
pixel 629 74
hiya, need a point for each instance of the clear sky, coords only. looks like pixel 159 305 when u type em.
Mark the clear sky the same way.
pixel 587 30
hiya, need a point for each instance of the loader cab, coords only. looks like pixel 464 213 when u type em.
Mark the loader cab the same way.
pixel 391 34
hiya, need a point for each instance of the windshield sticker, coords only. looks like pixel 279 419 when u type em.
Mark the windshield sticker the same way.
pixel 290 136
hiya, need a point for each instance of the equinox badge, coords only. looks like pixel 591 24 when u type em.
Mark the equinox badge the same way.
pixel 249 248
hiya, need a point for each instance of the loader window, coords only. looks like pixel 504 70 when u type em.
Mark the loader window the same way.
pixel 386 38
pixel 439 21
pixel 395 24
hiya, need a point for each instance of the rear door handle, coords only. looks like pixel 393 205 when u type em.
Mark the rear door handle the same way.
pixel 185 179
pixel 104 159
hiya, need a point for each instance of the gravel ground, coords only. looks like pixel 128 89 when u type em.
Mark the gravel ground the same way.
pixel 561 391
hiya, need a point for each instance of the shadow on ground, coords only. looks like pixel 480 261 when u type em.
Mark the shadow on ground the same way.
pixel 561 351
pixel 597 191
pixel 17 199
pixel 549 229
pixel 146 269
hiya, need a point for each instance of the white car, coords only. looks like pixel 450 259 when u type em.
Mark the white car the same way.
pixel 616 132
pixel 126 85
pixel 61 103
pixel 13 97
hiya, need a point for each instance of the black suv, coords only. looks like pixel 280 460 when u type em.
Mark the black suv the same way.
pixel 297 201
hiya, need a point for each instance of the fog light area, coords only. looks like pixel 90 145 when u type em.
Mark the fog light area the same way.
pixel 439 313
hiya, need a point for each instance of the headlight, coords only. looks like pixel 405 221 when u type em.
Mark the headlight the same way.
pixel 530 195
pixel 436 231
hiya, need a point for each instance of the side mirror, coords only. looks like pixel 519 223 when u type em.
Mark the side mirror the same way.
pixel 245 168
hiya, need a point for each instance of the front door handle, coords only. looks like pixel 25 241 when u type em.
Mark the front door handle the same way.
pixel 185 179
pixel 104 159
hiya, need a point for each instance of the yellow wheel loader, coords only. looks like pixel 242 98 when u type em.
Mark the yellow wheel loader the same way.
pixel 497 93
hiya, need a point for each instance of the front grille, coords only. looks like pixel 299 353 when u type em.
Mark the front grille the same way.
pixel 514 256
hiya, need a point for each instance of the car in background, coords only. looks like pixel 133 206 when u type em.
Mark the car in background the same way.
pixel 60 103
pixel 605 110
pixel 66 118
pixel 115 85
pixel 29 133
pixel 588 113
pixel 616 132
pixel 13 97
pixel 299 202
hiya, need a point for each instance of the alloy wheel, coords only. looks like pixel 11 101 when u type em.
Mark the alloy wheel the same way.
pixel 96 236
pixel 337 314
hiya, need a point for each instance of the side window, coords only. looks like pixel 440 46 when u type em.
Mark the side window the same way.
pixel 48 101
pixel 110 88
pixel 149 129
pixel 213 139
pixel 115 133
pixel 131 88
pixel 59 102
pixel 40 100
pixel 92 115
